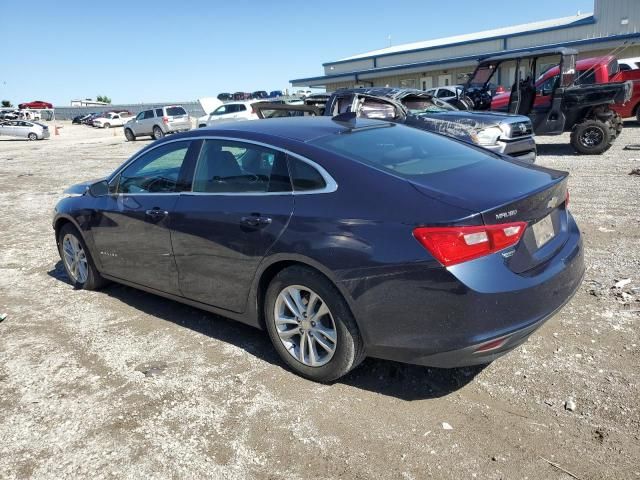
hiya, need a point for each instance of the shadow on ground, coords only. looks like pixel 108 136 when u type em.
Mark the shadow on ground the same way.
pixel 402 381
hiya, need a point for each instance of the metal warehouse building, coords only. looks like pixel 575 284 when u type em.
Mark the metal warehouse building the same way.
pixel 445 61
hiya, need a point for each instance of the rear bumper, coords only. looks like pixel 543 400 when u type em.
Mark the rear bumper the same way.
pixel 524 149
pixel 440 317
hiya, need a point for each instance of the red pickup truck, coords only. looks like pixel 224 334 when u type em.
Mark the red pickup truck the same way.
pixel 588 71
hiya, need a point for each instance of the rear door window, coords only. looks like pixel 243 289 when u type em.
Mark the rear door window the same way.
pixel 226 166
pixel 147 114
pixel 159 112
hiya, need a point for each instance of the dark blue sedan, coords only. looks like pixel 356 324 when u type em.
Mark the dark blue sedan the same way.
pixel 342 238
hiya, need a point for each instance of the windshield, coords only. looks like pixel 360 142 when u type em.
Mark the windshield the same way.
pixel 419 105
pixel 401 150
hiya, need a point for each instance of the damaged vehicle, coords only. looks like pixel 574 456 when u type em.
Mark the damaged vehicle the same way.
pixel 498 132
pixel 570 104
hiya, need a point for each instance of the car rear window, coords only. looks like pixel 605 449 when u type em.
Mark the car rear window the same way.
pixel 403 151
pixel 175 111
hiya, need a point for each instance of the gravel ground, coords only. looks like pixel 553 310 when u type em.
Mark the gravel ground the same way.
pixel 123 384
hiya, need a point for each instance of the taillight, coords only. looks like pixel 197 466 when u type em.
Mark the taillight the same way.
pixel 165 119
pixel 452 245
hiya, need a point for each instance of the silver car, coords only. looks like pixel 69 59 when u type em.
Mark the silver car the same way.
pixel 24 129
pixel 158 122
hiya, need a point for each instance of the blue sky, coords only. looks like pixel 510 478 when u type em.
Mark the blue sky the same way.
pixel 135 51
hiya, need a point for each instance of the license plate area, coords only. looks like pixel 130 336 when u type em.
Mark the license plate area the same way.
pixel 543 231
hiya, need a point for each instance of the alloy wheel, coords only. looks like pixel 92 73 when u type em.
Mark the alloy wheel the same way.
pixel 75 258
pixel 591 137
pixel 305 326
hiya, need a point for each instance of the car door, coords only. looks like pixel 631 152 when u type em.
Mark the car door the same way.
pixel 240 203
pixel 131 229
pixel 7 128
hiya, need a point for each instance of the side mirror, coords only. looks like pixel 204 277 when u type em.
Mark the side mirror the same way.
pixel 99 189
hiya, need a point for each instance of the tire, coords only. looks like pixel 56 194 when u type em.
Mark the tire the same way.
pixel 638 113
pixel 107 125
pixel 591 137
pixel 128 133
pixel 69 242
pixel 337 323
pixel 32 136
pixel 157 133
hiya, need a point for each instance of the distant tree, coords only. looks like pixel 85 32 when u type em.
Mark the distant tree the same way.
pixel 6 104
pixel 103 98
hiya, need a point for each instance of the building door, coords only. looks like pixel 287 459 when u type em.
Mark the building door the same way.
pixel 444 80
pixel 426 82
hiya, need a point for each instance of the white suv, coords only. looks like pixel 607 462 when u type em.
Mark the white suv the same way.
pixel 157 122
pixel 230 112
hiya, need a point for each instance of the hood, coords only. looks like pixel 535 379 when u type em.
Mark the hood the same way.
pixel 209 104
pixel 478 119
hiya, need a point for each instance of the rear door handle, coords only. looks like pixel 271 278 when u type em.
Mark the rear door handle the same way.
pixel 156 213
pixel 255 221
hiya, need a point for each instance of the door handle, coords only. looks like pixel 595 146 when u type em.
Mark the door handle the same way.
pixel 255 221
pixel 156 213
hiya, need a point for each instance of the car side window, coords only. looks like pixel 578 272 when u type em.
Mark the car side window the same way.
pixel 140 116
pixel 148 114
pixel 241 108
pixel 547 87
pixel 226 166
pixel 305 177
pixel 220 110
pixel 159 112
pixel 443 93
pixel 156 171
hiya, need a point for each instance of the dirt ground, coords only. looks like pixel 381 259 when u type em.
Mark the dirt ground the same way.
pixel 123 384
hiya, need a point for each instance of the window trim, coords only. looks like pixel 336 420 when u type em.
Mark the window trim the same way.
pixel 330 184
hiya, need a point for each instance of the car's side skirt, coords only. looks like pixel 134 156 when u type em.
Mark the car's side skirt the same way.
pixel 245 318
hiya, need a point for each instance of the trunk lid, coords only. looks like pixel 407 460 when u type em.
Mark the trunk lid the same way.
pixel 209 104
pixel 505 192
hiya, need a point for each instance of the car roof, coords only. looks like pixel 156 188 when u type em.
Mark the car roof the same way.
pixel 302 129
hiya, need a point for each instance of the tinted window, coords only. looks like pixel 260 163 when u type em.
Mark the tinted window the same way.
pixel 236 167
pixel 304 177
pixel 175 111
pixel 241 108
pixel 586 78
pixel 548 85
pixel 156 171
pixel 403 151
pixel 220 110
pixel 443 93
pixel 147 114
pixel 159 112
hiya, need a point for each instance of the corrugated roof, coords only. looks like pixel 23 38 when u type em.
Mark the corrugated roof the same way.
pixel 470 37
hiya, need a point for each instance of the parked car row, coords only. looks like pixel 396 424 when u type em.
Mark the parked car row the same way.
pixel 257 95
pixel 20 114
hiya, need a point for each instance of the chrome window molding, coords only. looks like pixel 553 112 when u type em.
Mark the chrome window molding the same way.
pixel 330 184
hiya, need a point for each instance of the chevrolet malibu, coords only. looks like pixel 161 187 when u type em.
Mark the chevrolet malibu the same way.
pixel 341 237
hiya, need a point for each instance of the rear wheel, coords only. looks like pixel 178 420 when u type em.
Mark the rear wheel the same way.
pixel 32 136
pixel 591 137
pixel 129 135
pixel 157 133
pixel 77 260
pixel 311 326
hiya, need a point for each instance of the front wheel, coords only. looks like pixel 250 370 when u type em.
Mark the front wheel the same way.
pixel 311 325
pixel 591 137
pixel 107 125
pixel 129 135
pixel 157 133
pixel 77 260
